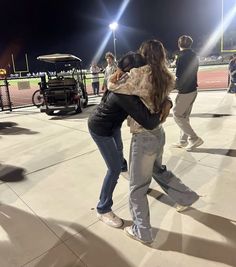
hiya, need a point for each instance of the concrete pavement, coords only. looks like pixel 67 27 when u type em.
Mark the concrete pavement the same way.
pixel 51 174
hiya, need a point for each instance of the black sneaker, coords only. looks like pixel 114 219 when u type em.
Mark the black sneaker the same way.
pixel 124 167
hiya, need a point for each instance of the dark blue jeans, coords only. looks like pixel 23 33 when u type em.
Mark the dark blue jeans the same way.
pixel 111 149
pixel 95 86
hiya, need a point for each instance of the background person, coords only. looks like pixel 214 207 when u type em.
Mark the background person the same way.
pixel 95 70
pixel 187 65
pixel 232 75
pixel 110 69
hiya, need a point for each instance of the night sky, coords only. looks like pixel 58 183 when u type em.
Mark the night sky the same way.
pixel 79 27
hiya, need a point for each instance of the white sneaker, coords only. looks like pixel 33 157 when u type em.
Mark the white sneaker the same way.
pixel 129 232
pixel 181 208
pixel 179 145
pixel 193 144
pixel 110 219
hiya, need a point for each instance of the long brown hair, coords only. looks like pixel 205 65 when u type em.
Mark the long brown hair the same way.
pixel 154 54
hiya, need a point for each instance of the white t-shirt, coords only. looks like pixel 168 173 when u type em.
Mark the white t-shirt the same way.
pixel 95 73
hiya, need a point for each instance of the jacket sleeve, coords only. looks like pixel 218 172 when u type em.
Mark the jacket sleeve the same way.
pixel 137 110
pixel 169 100
pixel 179 67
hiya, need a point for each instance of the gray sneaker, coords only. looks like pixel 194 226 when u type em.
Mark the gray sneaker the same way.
pixel 193 144
pixel 181 208
pixel 129 232
pixel 180 144
pixel 110 219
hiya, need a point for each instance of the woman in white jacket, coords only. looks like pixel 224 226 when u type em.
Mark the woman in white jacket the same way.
pixel 152 83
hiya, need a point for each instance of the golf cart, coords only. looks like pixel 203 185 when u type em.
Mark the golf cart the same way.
pixel 63 89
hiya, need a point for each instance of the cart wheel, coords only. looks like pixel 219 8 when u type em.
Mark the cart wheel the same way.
pixel 85 103
pixel 78 108
pixel 37 99
pixel 49 112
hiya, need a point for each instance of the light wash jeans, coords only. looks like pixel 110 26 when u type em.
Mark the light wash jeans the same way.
pixel 146 162
pixel 111 149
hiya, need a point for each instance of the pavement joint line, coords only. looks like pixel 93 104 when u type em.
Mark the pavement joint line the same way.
pixel 61 162
pixel 184 168
pixel 52 122
pixel 197 162
pixel 12 116
pixel 38 217
pixel 212 167
pixel 64 126
pixel 44 222
pixel 211 89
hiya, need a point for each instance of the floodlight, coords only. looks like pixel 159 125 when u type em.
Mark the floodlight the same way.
pixel 113 26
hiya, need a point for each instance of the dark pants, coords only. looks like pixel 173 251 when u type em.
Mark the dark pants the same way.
pixel 111 149
pixel 95 86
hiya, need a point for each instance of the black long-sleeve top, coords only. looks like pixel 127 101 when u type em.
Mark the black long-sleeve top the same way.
pixel 186 71
pixel 114 109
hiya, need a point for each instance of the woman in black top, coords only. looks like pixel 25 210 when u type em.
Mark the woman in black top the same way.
pixel 105 128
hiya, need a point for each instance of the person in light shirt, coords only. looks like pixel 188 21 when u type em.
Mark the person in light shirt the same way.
pixel 110 69
pixel 95 70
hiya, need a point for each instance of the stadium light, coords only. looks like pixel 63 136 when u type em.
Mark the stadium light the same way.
pixel 220 29
pixel 113 26
pixel 106 38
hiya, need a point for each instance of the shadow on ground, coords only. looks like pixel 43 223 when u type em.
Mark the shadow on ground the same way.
pixel 197 246
pixel 9 173
pixel 218 151
pixel 86 245
pixel 72 115
pixel 208 115
pixel 200 247
pixel 11 128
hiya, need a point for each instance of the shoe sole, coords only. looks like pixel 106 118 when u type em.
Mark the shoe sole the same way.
pixel 179 146
pixel 113 226
pixel 136 238
pixel 196 145
pixel 182 209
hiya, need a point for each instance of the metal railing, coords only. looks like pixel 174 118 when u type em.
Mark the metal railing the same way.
pixel 5 100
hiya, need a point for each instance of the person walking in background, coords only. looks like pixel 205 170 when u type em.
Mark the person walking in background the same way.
pixel 110 69
pixel 94 69
pixel 186 83
pixel 152 82
pixel 232 75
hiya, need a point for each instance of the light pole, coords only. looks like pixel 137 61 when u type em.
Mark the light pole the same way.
pixel 113 26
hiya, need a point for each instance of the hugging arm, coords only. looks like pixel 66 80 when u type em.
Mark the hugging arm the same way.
pixel 138 111
pixel 165 109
